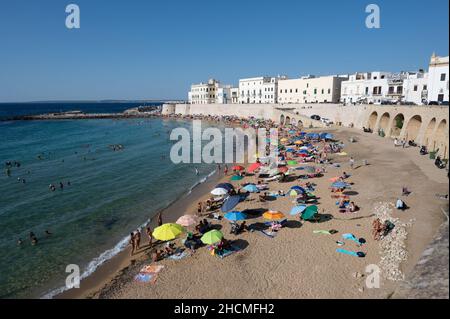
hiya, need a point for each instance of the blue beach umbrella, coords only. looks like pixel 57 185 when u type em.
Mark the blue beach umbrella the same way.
pixel 235 216
pixel 297 210
pixel 290 150
pixel 251 188
pixel 339 185
pixel 299 189
pixel 303 152
pixel 329 136
pixel 230 203
pixel 226 186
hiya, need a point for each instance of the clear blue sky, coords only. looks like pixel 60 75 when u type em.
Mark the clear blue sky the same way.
pixel 156 49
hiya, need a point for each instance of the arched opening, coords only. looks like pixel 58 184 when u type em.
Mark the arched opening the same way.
pixel 288 120
pixel 372 120
pixel 384 122
pixel 427 139
pixel 293 122
pixel 413 127
pixel 441 139
pixel 397 125
pixel 282 119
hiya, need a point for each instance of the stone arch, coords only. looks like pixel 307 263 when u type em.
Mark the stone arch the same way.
pixel 282 119
pixel 413 127
pixel 293 122
pixel 384 121
pixel 288 120
pixel 428 137
pixel 397 125
pixel 372 121
pixel 441 139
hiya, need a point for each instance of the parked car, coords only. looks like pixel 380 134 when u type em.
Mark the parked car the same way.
pixel 433 103
pixel 315 117
pixel 326 121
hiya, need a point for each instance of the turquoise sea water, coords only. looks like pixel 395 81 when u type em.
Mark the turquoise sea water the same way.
pixel 111 194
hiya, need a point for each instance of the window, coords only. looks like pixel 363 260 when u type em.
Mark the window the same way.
pixel 443 76
pixel 391 90
pixel 425 87
pixel 290 91
pixel 315 91
pixel 329 91
pixel 382 77
pixel 323 91
pixel 415 88
pixel 296 90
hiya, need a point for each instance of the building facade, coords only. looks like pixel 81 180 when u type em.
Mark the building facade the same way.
pixel 368 87
pixel 309 89
pixel 438 81
pixel 415 88
pixel 258 90
pixel 211 92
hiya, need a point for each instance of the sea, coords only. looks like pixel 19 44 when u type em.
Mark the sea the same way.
pixel 106 193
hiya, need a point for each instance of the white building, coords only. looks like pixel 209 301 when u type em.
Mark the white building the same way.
pixel 415 88
pixel 210 93
pixel 258 90
pixel 438 82
pixel 369 87
pixel 310 89
pixel 234 93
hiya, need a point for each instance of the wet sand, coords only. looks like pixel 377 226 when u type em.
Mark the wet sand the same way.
pixel 296 263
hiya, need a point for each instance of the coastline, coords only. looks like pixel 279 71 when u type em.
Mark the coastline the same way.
pixel 115 274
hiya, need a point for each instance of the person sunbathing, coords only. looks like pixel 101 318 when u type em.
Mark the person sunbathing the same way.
pixel 169 249
pixel 352 207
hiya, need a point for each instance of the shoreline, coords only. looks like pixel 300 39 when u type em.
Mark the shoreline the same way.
pixel 118 269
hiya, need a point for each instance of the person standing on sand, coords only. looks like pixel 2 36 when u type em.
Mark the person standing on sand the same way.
pixel 160 219
pixel 225 169
pixel 352 162
pixel 137 239
pixel 150 237
pixel 132 243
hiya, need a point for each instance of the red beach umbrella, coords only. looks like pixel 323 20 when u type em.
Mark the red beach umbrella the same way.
pixel 254 167
pixel 238 168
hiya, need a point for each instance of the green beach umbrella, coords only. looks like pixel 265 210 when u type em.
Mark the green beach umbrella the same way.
pixel 212 237
pixel 236 178
pixel 291 162
pixel 309 212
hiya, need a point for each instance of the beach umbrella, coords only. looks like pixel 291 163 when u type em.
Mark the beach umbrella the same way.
pixel 187 220
pixel 167 231
pixel 253 167
pixel 238 168
pixel 304 148
pixel 273 172
pixel 219 191
pixel 273 215
pixel 251 188
pixel 290 150
pixel 212 237
pixel 309 169
pixel 298 189
pixel 283 140
pixel 236 178
pixel 292 162
pixel 291 132
pixel 309 212
pixel 298 142
pixel 235 216
pixel 339 185
pixel 293 192
pixel 297 210
pixel 230 203
pixel 329 136
pixel 226 186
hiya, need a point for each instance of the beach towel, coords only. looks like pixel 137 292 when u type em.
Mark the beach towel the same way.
pixel 324 232
pixel 152 269
pixel 145 278
pixel 351 253
pixel 180 255
pixel 352 237
pixel 228 252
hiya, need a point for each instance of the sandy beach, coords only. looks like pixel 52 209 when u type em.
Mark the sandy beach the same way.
pixel 296 263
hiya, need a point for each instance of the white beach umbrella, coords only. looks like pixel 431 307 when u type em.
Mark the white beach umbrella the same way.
pixel 219 191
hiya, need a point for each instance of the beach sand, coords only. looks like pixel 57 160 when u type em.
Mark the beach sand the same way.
pixel 297 263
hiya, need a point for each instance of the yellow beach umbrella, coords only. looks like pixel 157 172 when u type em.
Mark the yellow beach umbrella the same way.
pixel 273 215
pixel 168 231
pixel 298 142
pixel 284 140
